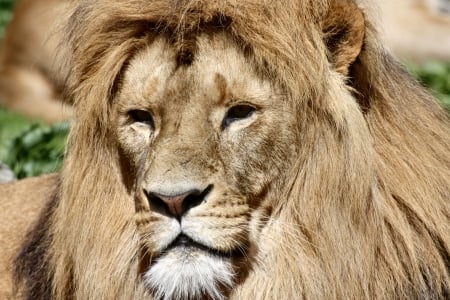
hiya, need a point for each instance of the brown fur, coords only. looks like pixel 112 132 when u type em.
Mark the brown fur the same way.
pixel 30 79
pixel 341 182
pixel 20 204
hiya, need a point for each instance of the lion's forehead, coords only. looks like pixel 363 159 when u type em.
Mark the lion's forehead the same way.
pixel 218 72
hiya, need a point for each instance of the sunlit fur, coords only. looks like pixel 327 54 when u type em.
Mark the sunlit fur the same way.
pixel 359 210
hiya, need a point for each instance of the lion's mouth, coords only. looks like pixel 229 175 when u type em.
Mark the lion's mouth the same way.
pixel 184 242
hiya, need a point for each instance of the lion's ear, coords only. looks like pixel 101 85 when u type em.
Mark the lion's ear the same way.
pixel 343 29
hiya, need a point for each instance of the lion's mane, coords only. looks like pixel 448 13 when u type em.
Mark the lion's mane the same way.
pixel 366 213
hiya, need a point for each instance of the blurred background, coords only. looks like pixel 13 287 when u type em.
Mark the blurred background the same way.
pixel 32 127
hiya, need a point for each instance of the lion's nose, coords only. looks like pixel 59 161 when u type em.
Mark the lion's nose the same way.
pixel 178 204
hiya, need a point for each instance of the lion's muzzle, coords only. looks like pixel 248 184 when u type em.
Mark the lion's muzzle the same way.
pixel 176 205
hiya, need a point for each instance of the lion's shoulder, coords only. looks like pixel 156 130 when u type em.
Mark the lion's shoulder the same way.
pixel 20 204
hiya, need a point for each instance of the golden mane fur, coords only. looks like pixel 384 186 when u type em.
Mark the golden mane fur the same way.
pixel 363 212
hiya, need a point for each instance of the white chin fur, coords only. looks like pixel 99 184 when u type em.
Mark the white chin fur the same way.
pixel 182 274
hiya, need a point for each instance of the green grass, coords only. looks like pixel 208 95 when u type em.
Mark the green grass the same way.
pixel 5 14
pixel 29 147
pixel 435 76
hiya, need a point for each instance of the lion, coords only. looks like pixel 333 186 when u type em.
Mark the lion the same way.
pixel 417 30
pixel 239 150
pixel 31 70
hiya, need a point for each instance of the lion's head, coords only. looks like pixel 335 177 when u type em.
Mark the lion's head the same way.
pixel 242 149
pixel 205 145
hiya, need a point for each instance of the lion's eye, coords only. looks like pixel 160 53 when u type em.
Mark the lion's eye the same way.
pixel 236 113
pixel 142 116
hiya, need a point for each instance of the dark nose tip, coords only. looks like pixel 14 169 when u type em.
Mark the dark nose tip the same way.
pixel 177 205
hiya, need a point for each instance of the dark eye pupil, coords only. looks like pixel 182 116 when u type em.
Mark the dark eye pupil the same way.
pixel 142 116
pixel 236 113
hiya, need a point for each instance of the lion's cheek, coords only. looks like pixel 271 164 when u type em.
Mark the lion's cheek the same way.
pixel 224 232
pixel 256 166
pixel 156 232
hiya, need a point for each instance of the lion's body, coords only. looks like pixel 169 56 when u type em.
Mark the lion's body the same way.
pixel 219 151
pixel 417 30
pixel 21 202
pixel 30 77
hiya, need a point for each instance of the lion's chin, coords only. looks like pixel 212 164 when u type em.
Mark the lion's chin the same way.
pixel 189 272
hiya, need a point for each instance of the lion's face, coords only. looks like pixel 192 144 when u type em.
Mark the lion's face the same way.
pixel 207 142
